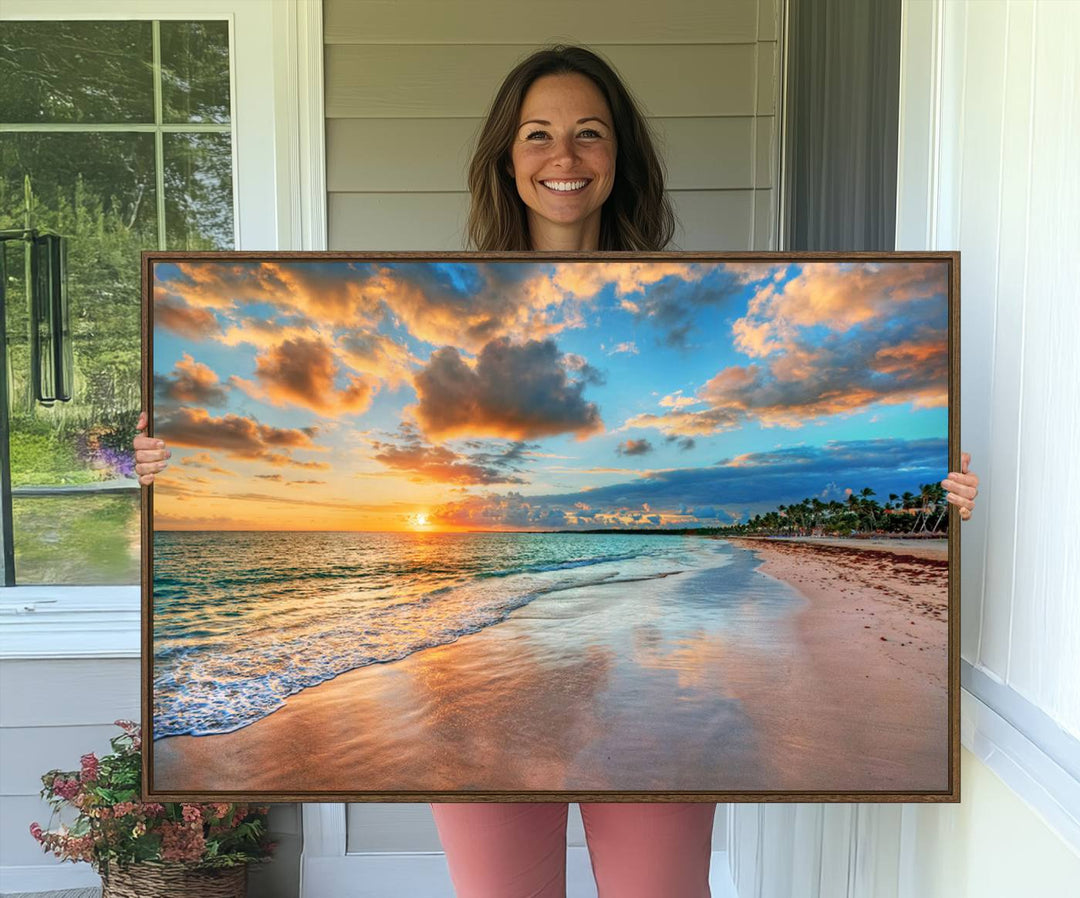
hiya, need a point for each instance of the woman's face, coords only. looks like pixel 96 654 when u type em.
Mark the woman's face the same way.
pixel 563 157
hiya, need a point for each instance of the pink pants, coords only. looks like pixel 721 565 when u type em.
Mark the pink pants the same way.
pixel 519 850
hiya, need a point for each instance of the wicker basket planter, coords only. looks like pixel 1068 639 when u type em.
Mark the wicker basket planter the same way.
pixel 174 881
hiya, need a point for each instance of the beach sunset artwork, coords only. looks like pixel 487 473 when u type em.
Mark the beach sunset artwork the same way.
pixel 484 526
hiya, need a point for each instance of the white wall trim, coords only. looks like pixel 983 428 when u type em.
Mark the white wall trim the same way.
pixel 298 26
pixel 70 622
pixel 782 176
pixel 1043 784
pixel 919 111
pixel 324 830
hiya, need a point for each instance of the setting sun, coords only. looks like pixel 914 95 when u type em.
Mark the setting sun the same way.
pixel 419 520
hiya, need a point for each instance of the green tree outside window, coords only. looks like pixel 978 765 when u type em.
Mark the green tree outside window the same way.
pixel 118 136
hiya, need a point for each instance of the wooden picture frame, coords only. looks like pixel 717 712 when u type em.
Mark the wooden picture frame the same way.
pixel 364 443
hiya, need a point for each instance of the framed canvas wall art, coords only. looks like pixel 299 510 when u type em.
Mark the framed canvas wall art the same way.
pixel 522 526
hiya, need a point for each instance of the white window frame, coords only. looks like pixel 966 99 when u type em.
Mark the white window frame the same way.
pixel 279 197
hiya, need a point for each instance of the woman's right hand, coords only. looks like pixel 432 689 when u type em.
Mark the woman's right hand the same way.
pixel 151 454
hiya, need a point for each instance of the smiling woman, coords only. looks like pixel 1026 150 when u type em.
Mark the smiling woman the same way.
pixel 563 160
pixel 548 175
pixel 564 116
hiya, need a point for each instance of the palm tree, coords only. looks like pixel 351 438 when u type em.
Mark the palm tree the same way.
pixel 938 493
pixel 869 505
pixel 928 495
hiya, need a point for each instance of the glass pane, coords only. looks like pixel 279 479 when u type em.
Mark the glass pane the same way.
pixel 195 71
pixel 76 72
pixel 198 191
pixel 98 191
pixel 77 540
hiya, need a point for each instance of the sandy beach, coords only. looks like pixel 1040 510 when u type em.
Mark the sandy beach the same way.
pixel 825 670
pixel 873 642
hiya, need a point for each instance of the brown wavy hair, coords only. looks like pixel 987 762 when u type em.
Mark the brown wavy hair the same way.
pixel 636 216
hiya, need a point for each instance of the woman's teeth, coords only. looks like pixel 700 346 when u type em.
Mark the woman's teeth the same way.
pixel 564 186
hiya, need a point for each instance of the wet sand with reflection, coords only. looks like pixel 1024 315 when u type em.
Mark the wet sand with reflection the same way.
pixel 719 680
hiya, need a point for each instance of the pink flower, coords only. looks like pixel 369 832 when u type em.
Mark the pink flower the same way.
pixel 153 809
pixel 191 813
pixel 181 842
pixel 65 788
pixel 36 832
pixel 90 767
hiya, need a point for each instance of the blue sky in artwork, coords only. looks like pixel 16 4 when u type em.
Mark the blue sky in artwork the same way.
pixel 462 395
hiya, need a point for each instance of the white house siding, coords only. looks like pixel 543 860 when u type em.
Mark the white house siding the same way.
pixel 408 83
pixel 989 143
pixel 51 712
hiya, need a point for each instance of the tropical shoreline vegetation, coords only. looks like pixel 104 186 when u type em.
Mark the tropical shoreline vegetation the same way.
pixel 909 515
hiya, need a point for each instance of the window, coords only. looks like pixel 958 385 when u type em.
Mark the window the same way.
pixel 118 136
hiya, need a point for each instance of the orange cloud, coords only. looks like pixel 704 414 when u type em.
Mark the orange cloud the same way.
pixel 836 296
pixel 304 373
pixel 172 313
pixel 235 435
pixel 191 382
pixel 677 400
pixel 440 464
pixel 687 424
pixel 281 460
pixel 319 291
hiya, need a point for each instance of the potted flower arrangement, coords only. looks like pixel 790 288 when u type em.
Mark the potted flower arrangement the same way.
pixel 145 848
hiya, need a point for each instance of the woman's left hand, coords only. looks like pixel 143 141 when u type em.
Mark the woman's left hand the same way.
pixel 963 487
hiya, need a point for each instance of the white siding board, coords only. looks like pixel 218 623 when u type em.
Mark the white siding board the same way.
pixel 768 25
pixel 17 846
pixel 522 22
pixel 717 220
pixel 767 94
pixel 838 825
pixel 706 153
pixel 978 234
pixel 28 752
pixel 37 693
pixel 375 81
pixel 398 221
pixel 1046 624
pixel 765 151
pixel 432 154
pixel 765 220
pixel 396 154
pixel 807 836
pixel 707 220
pixel 1012 226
